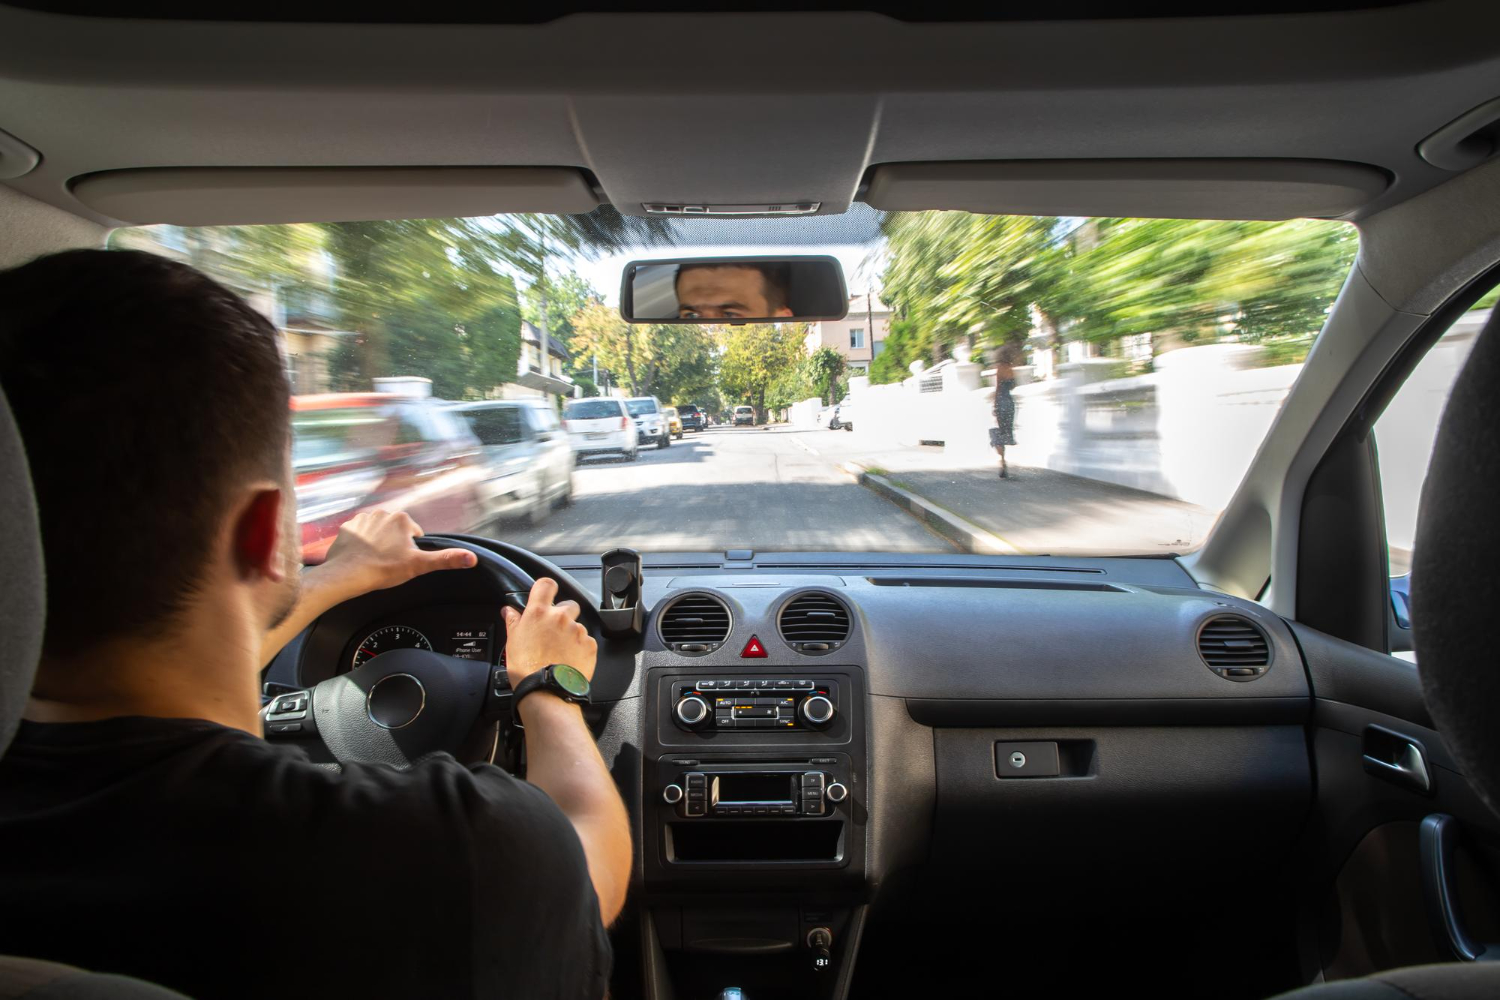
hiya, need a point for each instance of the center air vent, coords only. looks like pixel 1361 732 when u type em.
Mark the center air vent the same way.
pixel 1234 648
pixel 814 623
pixel 694 624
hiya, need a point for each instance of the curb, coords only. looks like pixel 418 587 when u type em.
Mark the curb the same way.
pixel 968 536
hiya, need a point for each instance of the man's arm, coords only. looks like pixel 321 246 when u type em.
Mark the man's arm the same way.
pixel 561 757
pixel 373 551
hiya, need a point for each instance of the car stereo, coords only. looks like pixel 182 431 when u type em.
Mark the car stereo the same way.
pixel 755 794
pixel 776 704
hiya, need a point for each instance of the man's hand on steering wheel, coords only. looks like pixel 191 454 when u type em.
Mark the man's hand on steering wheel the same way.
pixel 546 633
pixel 373 551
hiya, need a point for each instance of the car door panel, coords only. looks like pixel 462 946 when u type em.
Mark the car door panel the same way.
pixel 1365 899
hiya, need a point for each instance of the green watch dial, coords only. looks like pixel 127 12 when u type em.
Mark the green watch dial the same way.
pixel 571 680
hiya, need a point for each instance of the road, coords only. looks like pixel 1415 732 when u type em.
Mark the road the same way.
pixel 724 488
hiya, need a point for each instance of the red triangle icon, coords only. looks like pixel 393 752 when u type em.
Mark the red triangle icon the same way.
pixel 753 649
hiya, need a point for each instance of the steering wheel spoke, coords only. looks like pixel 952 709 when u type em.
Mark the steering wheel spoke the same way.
pixel 403 705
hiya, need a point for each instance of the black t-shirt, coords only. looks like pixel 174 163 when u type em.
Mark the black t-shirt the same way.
pixel 210 861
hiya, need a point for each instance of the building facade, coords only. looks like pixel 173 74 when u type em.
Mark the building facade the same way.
pixel 859 336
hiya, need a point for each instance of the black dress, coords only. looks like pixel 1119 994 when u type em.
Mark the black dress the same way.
pixel 1005 415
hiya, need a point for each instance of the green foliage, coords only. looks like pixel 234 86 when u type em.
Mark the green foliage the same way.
pixel 823 370
pixel 665 361
pixel 757 356
pixel 993 280
pixel 563 298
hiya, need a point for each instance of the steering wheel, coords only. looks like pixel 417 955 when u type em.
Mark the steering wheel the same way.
pixel 400 706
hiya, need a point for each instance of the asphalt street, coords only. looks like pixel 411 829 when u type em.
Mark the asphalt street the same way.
pixel 719 489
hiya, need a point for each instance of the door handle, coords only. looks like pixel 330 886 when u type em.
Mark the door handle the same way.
pixel 1437 841
pixel 1396 758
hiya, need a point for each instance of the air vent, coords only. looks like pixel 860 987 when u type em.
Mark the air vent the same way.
pixel 814 623
pixel 1234 648
pixel 694 624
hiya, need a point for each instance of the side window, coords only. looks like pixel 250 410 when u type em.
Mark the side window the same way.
pixel 1404 438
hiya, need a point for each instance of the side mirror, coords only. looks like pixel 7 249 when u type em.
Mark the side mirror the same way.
pixel 712 290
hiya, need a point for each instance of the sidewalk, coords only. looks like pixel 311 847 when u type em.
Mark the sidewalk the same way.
pixel 1035 511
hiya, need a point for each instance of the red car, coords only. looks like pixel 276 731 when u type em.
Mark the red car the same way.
pixel 355 451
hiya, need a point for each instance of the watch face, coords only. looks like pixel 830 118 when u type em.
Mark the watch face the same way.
pixel 570 680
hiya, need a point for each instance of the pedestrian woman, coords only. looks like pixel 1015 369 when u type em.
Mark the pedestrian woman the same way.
pixel 1004 431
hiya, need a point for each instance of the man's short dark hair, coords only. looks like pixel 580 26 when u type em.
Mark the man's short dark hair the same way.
pixel 145 393
pixel 777 277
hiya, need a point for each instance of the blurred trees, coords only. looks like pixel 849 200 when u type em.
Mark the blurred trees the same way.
pixel 987 280
pixel 431 297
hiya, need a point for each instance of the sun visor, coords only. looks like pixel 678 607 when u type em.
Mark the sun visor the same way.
pixel 219 196
pixel 1147 189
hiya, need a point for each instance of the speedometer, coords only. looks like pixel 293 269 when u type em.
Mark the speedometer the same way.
pixel 383 640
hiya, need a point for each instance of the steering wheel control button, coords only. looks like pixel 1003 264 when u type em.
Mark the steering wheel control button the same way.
pixel 395 701
pixel 284 727
pixel 754 650
pixel 1027 760
pixel 817 710
pixel 692 711
pixel 672 794
pixel 836 792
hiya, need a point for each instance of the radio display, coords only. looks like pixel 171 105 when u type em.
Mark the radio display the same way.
pixel 753 788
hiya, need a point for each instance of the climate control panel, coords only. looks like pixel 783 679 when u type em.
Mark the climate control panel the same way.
pixel 774 704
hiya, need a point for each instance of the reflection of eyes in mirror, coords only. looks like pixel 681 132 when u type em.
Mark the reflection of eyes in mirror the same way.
pixel 734 290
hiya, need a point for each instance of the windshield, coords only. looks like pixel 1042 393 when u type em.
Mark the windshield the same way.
pixel 1061 385
pixel 592 409
pixel 494 425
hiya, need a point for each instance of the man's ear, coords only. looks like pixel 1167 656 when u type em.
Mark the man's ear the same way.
pixel 257 535
pixel 785 311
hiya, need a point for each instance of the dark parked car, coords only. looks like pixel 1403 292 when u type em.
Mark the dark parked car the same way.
pixel 354 451
pixel 692 417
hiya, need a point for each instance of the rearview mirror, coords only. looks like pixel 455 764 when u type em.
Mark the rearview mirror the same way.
pixel 734 290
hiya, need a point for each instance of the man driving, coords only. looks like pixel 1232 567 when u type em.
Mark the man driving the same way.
pixel 732 291
pixel 146 828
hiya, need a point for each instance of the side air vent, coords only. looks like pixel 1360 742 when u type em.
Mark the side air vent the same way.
pixel 694 624
pixel 814 623
pixel 1234 648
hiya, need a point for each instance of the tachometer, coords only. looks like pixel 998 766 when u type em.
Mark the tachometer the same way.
pixel 383 640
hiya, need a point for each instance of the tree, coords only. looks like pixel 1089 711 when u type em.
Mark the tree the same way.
pixel 563 298
pixel 754 357
pixel 665 360
pixel 824 369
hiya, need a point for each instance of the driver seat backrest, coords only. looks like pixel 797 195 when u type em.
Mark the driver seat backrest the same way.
pixel 22 613
pixel 1453 599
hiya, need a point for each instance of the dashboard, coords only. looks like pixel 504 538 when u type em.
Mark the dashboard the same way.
pixel 469 632
pixel 795 735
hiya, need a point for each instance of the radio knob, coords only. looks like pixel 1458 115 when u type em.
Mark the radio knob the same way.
pixel 692 711
pixel 672 794
pixel 836 792
pixel 817 710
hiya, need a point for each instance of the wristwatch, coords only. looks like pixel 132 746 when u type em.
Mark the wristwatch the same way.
pixel 568 683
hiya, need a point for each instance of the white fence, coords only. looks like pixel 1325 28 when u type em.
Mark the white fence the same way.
pixel 1187 430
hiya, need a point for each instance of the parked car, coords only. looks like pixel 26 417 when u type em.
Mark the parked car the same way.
pixel 600 426
pixel 693 418
pixel 744 415
pixel 674 422
pixel 842 417
pixel 355 451
pixel 529 457
pixel 650 421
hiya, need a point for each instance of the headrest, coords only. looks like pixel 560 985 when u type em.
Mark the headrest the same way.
pixel 22 592
pixel 1455 577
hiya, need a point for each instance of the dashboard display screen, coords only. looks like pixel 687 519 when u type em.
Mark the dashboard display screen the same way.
pixel 470 644
pixel 730 788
